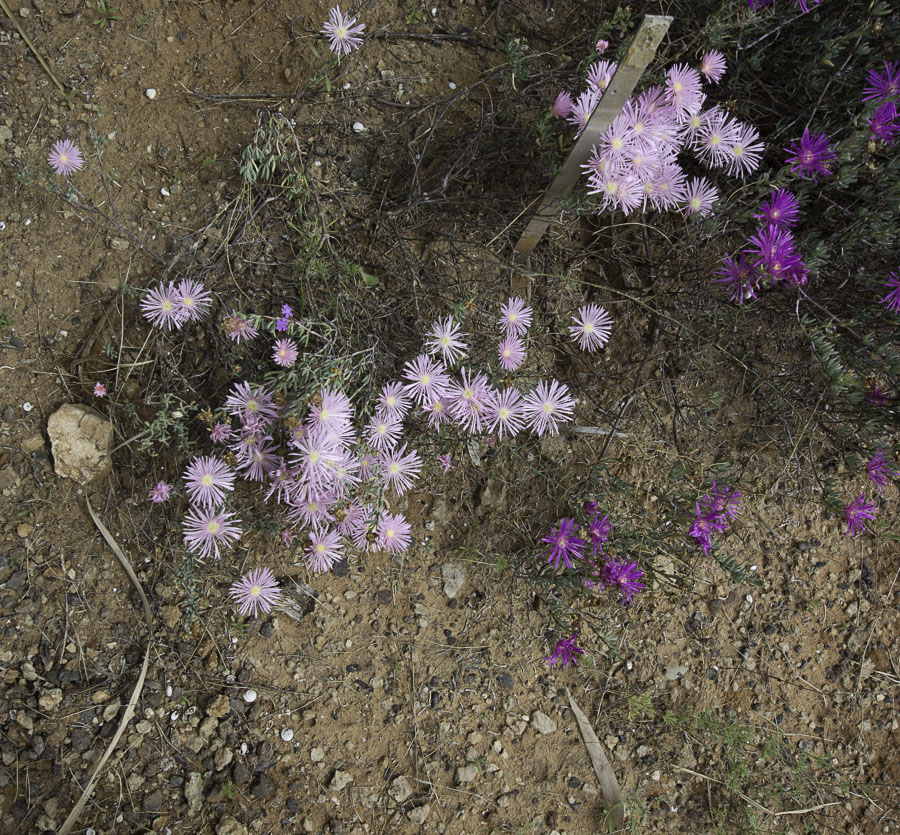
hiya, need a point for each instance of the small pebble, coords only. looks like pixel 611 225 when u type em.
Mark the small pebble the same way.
pixel 27 407
pixel 287 734
pixel 346 85
pixel 249 696
pixel 359 127
pixel 452 85
pixel 150 93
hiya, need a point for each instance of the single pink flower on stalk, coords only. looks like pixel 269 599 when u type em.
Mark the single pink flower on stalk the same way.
pixel 592 327
pixel 160 492
pixel 394 533
pixel 256 592
pixel 206 530
pixel 447 338
pixel 160 307
pixel 515 317
pixel 285 352
pixel 193 300
pixel 713 66
pixel 601 46
pixel 206 480
pixel 445 462
pixel 857 512
pixel 239 328
pixel 342 32
pixel 547 407
pixel 324 549
pixel 65 158
pixel 562 107
pixel 512 353
pixel 99 390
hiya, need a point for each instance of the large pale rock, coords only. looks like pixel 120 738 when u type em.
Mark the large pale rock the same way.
pixel 81 439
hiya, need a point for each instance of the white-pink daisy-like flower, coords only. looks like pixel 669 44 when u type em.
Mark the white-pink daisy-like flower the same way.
pixel 194 300
pixel 438 411
pixel 99 390
pixel 160 307
pixel 583 108
pixel 383 432
pixel 256 592
pixel 512 353
pixel 599 75
pixel 324 549
pixel 254 406
pixel 713 65
pixel 427 377
pixel 504 413
pixel 562 107
pixel 65 158
pixel 447 338
pixel 515 317
pixel 745 151
pixel 206 480
pixel 400 468
pixel 592 327
pixel 393 401
pixel 547 407
pixel 332 412
pixel 469 398
pixel 700 196
pixel 715 137
pixel 342 31
pixel 394 533
pixel 683 87
pixel 285 352
pixel 205 529
pixel 160 492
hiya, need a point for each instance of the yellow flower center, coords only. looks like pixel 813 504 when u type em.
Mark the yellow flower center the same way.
pixel 207 480
pixel 548 408
pixel 255 591
pixel 212 527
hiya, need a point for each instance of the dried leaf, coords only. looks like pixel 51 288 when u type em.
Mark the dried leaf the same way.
pixel 609 786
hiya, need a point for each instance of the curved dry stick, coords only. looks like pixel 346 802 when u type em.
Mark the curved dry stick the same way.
pixel 135 695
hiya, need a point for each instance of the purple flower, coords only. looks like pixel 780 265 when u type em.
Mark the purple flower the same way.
pixel 599 531
pixel 206 480
pixel 875 394
pixel 592 327
pixel 504 413
pixel 160 307
pixel 324 549
pixel 400 468
pixel 562 107
pixel 704 528
pixel 515 317
pixel 883 85
pixel 394 533
pixel 626 576
pixel 780 210
pixel 713 66
pixel 193 300
pixel 428 380
pixel 447 338
pixel 220 433
pixel 65 157
pixel 565 545
pixel 285 352
pixel 856 514
pixel 281 324
pixel 445 462
pixel 393 401
pixel 723 503
pixel 565 651
pixel 811 156
pixel 287 311
pixel 512 353
pixel 601 46
pixel 99 390
pixel 160 492
pixel 700 196
pixel 206 530
pixel 239 328
pixel 880 471
pixel 892 299
pixel 548 406
pixel 255 592
pixel 883 123
pixel 776 249
pixel 740 278
pixel 342 32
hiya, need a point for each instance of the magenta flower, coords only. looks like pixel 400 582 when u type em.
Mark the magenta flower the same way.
pixel 599 531
pixel 892 299
pixel 206 529
pixel 206 480
pixel 394 533
pixel 256 592
pixel 880 471
pixel 592 327
pixel 428 380
pixel 324 549
pixel 193 300
pixel 393 401
pixel 65 158
pixel 562 107
pixel 704 528
pixel 239 328
pixel 780 210
pixel 883 86
pixel 565 651
pixel 883 123
pixel 776 249
pixel 700 196
pixel 99 390
pixel 547 407
pixel 220 433
pixel 740 278
pixel 161 307
pixel 515 317
pixel 626 576
pixel 512 353
pixel 446 462
pixel 857 512
pixel 383 433
pixel 400 468
pixel 504 413
pixel 811 156
pixel 713 66
pixel 160 492
pixel 342 32
pixel 285 352
pixel 723 502
pixel 564 544
pixel 447 339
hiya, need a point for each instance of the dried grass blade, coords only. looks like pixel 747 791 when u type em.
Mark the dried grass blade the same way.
pixel 609 786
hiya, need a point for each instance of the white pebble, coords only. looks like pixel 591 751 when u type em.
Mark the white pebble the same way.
pixel 150 93
pixel 359 127
pixel 165 192
pixel 452 85
pixel 346 85
pixel 287 734
pixel 249 696
pixel 749 598
pixel 169 691
pixel 27 407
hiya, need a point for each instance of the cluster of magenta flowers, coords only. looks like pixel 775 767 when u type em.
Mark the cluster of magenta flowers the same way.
pixel 566 652
pixel 881 473
pixel 803 5
pixel 714 511
pixel 567 545
pixel 342 32
pixel 635 165
pixel 170 306
pixel 772 254
pixel 883 88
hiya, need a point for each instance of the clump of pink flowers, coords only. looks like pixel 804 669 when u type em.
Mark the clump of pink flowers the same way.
pixel 714 511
